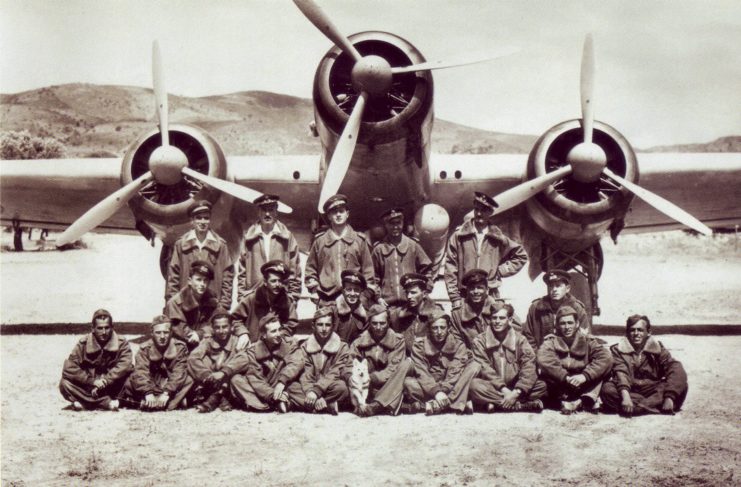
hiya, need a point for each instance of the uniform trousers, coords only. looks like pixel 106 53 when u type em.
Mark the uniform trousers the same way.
pixel 458 395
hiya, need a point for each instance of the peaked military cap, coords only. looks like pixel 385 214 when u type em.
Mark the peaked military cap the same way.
pixel 202 267
pixel 266 200
pixel 202 206
pixel 565 311
pixel 101 313
pixel 474 276
pixel 334 201
pixel 485 200
pixel 354 277
pixel 413 279
pixel 160 320
pixel 375 309
pixel 322 311
pixel 274 266
pixel 552 277
pixel 392 214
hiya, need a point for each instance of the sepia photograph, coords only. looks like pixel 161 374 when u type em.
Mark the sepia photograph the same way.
pixel 360 243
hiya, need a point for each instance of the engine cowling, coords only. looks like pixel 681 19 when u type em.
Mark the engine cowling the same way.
pixel 573 213
pixel 165 207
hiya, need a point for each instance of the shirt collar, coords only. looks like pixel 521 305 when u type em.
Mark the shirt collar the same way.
pixel 255 231
pixel 112 345
pixel 652 345
pixel 332 346
pixel 450 345
pixel 344 309
pixel 170 352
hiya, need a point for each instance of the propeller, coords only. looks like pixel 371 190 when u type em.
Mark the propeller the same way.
pixel 371 77
pixel 587 161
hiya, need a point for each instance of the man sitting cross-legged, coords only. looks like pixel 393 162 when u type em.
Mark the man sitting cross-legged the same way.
pixel 96 370
pixel 443 370
pixel 385 353
pixel 274 363
pixel 645 377
pixel 213 363
pixel 325 358
pixel 508 380
pixel 573 365
pixel 190 309
pixel 160 380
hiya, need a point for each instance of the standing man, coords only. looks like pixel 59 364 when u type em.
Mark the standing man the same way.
pixel 267 240
pixel 472 318
pixel 273 366
pixel 270 296
pixel 214 363
pixel 337 249
pixel 95 371
pixel 541 317
pixel 351 316
pixel 160 380
pixel 413 318
pixel 478 244
pixel 443 371
pixel 509 379
pixel 645 377
pixel 395 256
pixel 325 358
pixel 201 244
pixel 573 365
pixel 190 310
pixel 387 363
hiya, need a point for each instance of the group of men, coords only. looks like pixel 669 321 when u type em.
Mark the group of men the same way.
pixel 378 344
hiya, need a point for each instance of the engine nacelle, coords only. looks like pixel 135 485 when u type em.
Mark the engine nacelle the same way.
pixel 573 213
pixel 165 207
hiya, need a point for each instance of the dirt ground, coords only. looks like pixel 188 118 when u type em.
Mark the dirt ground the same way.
pixel 44 444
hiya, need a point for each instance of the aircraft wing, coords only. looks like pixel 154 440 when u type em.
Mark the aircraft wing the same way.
pixel 52 193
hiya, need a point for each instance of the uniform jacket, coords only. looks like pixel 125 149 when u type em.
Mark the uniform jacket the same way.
pixel 283 246
pixel 158 371
pixel 350 323
pixel 265 367
pixel 88 361
pixel 499 255
pixel 509 363
pixel 323 364
pixel 330 255
pixel 257 304
pixel 215 252
pixel 390 262
pixel 412 324
pixel 654 364
pixel 211 356
pixel 541 318
pixel 586 355
pixel 468 323
pixel 438 368
pixel 188 314
pixel 383 356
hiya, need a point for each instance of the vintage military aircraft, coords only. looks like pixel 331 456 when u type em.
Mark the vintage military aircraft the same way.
pixel 373 100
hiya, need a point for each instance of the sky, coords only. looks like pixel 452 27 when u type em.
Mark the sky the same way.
pixel 667 71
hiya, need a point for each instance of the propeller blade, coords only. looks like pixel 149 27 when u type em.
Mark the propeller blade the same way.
pixel 343 152
pixel 101 212
pixel 160 95
pixel 526 190
pixel 316 16
pixel 664 206
pixel 430 65
pixel 587 89
pixel 236 190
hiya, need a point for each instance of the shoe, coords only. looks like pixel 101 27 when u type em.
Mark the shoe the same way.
pixel 76 406
pixel 412 408
pixel 113 405
pixel 491 408
pixel 535 406
pixel 570 407
pixel 207 406
pixel 468 408
pixel 282 407
pixel 333 408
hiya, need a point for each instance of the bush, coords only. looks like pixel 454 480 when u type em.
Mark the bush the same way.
pixel 23 145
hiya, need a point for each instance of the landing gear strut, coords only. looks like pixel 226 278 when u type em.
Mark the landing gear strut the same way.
pixel 17 236
pixel 587 266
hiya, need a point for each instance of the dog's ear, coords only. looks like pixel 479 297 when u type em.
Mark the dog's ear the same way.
pixel 355 362
pixel 364 362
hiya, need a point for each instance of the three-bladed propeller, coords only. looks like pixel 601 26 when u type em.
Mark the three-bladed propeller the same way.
pixel 587 161
pixel 371 77
pixel 167 166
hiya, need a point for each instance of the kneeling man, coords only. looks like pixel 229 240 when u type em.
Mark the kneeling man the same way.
pixel 273 365
pixel 385 352
pixel 443 370
pixel 573 365
pixel 160 380
pixel 95 371
pixel 508 380
pixel 213 363
pixel 645 377
pixel 325 358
